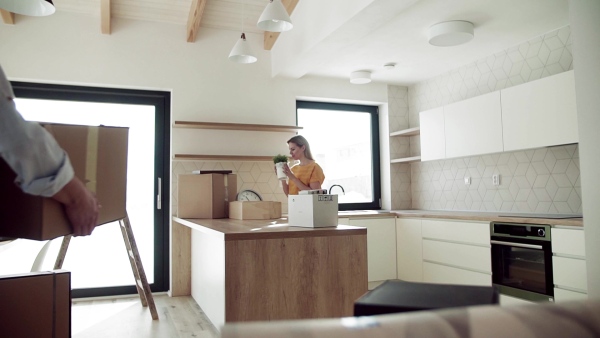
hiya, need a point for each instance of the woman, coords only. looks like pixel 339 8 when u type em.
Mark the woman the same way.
pixel 306 175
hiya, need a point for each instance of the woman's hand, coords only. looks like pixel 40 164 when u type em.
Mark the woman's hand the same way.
pixel 287 171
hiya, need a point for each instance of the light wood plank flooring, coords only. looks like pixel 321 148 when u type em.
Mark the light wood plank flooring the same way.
pixel 125 317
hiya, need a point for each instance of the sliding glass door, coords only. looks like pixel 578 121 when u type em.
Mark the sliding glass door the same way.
pixel 99 263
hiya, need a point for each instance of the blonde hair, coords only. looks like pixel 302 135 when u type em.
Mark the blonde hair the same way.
pixel 300 141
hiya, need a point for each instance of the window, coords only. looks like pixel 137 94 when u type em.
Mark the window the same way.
pixel 344 140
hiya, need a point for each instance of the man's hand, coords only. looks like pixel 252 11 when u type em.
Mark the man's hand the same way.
pixel 80 205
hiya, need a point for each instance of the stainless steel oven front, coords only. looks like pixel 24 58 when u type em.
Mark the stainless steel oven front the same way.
pixel 522 260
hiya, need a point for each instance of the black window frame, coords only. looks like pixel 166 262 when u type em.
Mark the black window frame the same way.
pixel 161 100
pixel 375 204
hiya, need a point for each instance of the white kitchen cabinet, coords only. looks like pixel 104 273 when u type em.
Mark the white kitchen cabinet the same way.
pixel 456 252
pixel 540 113
pixel 381 247
pixel 409 250
pixel 433 141
pixel 473 126
pixel 569 269
pixel 443 274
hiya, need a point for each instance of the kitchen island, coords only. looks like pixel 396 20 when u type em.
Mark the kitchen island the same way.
pixel 248 270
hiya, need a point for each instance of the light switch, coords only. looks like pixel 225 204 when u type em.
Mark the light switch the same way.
pixel 467 180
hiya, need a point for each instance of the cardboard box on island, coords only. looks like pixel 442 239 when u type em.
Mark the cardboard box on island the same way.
pixel 254 210
pixel 205 195
pixel 99 158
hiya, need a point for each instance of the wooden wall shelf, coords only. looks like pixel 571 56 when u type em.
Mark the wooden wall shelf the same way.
pixel 407 132
pixel 222 157
pixel 235 126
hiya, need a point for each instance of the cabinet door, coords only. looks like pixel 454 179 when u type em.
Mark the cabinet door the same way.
pixel 568 242
pixel 433 143
pixel 570 273
pixel 442 274
pixel 474 126
pixel 381 247
pixel 540 113
pixel 409 250
pixel 472 257
pixel 561 295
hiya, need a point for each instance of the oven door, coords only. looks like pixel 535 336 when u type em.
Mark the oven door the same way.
pixel 522 268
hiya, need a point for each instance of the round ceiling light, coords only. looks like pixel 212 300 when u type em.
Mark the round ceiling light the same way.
pixel 360 77
pixel 450 33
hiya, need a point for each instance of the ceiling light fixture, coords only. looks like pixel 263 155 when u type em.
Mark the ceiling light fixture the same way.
pixel 28 7
pixel 450 33
pixel 241 51
pixel 275 18
pixel 360 77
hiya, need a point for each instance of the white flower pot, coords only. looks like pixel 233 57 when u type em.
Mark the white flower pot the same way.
pixel 280 174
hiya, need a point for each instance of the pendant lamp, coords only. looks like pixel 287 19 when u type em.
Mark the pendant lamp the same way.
pixel 275 18
pixel 241 52
pixel 28 7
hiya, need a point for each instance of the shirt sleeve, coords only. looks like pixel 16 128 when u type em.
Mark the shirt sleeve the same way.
pixel 42 167
pixel 317 175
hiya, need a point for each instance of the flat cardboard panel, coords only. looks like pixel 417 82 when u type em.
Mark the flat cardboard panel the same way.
pixel 205 195
pixel 254 210
pixel 36 304
pixel 38 218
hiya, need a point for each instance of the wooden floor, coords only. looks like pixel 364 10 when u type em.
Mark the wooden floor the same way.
pixel 125 317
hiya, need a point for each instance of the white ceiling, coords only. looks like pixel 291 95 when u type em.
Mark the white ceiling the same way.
pixel 367 33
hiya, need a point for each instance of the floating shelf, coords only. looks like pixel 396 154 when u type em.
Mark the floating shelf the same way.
pixel 235 126
pixel 407 132
pixel 222 157
pixel 406 159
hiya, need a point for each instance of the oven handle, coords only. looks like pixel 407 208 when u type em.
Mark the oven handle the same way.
pixel 520 245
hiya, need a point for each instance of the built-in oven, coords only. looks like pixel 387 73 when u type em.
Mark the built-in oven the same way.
pixel 522 260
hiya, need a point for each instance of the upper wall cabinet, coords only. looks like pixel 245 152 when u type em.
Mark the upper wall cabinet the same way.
pixel 474 126
pixel 433 142
pixel 540 113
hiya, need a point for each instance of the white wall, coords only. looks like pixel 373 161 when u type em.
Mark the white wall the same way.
pixel 206 86
pixel 585 25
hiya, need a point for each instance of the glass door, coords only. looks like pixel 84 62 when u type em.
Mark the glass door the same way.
pixel 99 263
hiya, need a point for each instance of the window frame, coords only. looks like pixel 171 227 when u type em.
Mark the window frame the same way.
pixel 373 111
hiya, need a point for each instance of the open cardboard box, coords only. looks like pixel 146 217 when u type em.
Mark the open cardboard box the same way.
pixel 99 158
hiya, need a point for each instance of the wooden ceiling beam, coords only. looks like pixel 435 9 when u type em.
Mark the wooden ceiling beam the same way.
pixel 105 16
pixel 194 18
pixel 7 17
pixel 271 37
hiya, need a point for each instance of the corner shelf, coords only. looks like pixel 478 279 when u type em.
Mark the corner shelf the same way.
pixel 406 159
pixel 235 126
pixel 407 132
pixel 222 157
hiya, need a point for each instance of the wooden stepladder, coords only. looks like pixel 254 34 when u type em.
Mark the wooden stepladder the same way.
pixel 141 282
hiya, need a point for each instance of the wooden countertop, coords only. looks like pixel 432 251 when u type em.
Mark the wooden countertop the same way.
pixel 234 229
pixel 492 217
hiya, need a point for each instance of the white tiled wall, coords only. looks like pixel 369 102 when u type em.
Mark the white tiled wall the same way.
pixel 258 176
pixel 539 180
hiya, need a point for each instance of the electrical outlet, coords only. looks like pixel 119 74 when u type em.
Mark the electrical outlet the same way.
pixel 467 180
pixel 496 179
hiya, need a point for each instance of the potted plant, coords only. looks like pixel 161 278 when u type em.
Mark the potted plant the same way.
pixel 279 161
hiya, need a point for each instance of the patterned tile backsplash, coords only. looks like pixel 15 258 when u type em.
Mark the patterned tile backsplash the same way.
pixel 537 181
pixel 258 176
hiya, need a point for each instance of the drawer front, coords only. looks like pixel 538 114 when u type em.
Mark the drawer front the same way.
pixel 460 255
pixel 561 295
pixel 568 242
pixel 459 231
pixel 441 274
pixel 570 272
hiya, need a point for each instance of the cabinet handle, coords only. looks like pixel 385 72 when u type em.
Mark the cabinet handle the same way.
pixel 159 196
pixel 520 245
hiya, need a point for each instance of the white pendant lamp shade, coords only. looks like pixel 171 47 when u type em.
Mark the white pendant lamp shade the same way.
pixel 28 7
pixel 450 33
pixel 360 77
pixel 275 18
pixel 241 52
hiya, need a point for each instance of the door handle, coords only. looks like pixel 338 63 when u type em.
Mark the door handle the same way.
pixel 519 245
pixel 159 196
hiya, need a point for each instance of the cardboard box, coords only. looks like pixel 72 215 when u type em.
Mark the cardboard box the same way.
pixel 254 210
pixel 99 158
pixel 313 211
pixel 205 195
pixel 36 304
